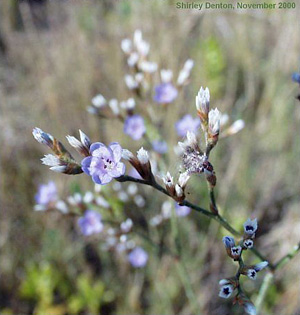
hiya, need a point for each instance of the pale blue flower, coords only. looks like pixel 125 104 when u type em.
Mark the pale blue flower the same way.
pixel 187 123
pixel 90 223
pixel 138 257
pixel 104 164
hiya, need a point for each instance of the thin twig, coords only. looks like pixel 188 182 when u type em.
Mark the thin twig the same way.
pixel 216 217
pixel 286 258
pixel 268 279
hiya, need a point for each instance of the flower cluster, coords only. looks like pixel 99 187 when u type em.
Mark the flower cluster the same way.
pixel 234 251
pixel 139 115
pixel 62 161
pixel 166 213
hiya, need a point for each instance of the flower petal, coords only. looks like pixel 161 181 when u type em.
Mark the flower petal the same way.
pixel 85 164
pixel 117 151
pixel 105 179
pixel 97 179
pixel 98 149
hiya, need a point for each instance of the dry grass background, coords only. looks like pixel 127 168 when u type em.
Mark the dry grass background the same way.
pixel 47 79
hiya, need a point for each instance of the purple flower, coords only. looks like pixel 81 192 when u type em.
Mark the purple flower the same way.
pixel 134 127
pixel 46 193
pixel 165 93
pixel 296 77
pixel 138 257
pixel 90 223
pixel 182 211
pixel 160 147
pixel 187 123
pixel 104 164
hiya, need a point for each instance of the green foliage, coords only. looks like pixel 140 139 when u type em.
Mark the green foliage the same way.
pixel 40 284
pixel 213 64
pixel 89 295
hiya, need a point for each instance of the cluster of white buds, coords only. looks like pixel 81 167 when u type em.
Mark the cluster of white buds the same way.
pixel 80 200
pixel 82 146
pixel 129 194
pixel 235 251
pixel 134 82
pixel 103 108
pixel 176 191
pixel 59 205
pixel 62 161
pixel 111 108
pixel 137 51
pixel 140 162
pixel 118 238
pixel 210 118
pixel 194 160
pixel 166 75
pixel 185 72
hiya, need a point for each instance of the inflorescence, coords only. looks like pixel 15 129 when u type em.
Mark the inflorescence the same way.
pixel 105 163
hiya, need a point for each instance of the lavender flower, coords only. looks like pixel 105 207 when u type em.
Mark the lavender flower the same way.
pixel 165 93
pixel 250 226
pixel 182 211
pixel 134 127
pixel 46 194
pixel 138 257
pixel 104 164
pixel 187 123
pixel 228 241
pixel 90 223
pixel 160 147
pixel 296 77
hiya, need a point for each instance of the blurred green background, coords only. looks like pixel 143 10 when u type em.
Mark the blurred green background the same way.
pixel 55 56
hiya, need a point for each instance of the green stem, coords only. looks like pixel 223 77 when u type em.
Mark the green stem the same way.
pixel 184 276
pixel 216 217
pixel 268 279
pixel 286 258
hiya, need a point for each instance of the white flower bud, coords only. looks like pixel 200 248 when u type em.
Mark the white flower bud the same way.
pixel 61 206
pixel 99 101
pixel 126 45
pixel 130 82
pixel 183 179
pixel 127 155
pixel 236 127
pixel 168 180
pixel 133 59
pixel 113 104
pixel 166 75
pixel 149 67
pixel 202 100
pixel 143 156
pixel 214 117
pixel 178 190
